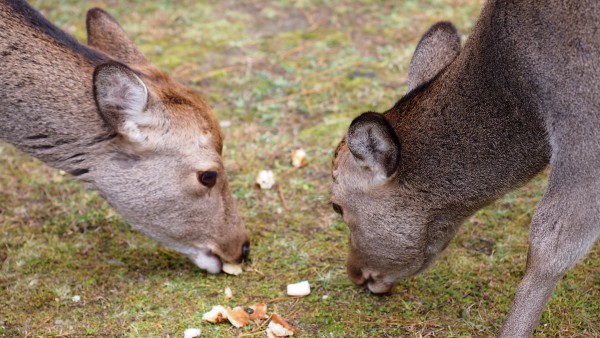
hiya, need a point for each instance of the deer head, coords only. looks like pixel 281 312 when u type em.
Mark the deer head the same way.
pixel 163 169
pixel 389 215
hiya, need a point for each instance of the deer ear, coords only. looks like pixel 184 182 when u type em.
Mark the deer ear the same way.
pixel 375 145
pixel 121 97
pixel 438 47
pixel 105 34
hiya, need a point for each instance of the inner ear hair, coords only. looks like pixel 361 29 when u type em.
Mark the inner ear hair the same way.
pixel 372 140
pixel 121 97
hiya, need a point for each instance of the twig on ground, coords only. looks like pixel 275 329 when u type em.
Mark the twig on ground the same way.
pixel 251 333
pixel 308 16
pixel 293 313
pixel 523 215
pixel 311 21
pixel 317 24
pixel 280 299
pixel 39 326
pixel 283 201
pixel 257 271
pixel 292 170
pixel 258 330
pixel 293 51
pixel 216 72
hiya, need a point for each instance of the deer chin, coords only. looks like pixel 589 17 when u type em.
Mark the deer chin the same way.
pixel 206 260
pixel 202 256
pixel 379 287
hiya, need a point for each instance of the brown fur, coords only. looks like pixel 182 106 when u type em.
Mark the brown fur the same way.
pixel 523 93
pixel 109 117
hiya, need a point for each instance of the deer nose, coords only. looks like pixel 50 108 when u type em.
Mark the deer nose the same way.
pixel 245 250
pixel 355 274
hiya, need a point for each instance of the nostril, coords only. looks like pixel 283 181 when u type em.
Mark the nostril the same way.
pixel 245 250
pixel 356 275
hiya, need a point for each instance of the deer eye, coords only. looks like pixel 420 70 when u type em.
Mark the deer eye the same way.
pixel 208 178
pixel 337 209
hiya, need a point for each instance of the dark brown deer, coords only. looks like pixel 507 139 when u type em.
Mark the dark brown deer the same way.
pixel 147 144
pixel 524 92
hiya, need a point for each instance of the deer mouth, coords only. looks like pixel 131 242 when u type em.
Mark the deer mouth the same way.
pixel 205 259
pixel 379 287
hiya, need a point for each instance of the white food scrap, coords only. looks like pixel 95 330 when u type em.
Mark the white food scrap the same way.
pixel 240 317
pixel 228 293
pixel 279 327
pixel 270 334
pixel 217 314
pixel 191 333
pixel 265 179
pixel 298 158
pixel 232 269
pixel 298 289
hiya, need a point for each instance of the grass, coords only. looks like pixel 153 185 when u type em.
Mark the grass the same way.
pixel 286 75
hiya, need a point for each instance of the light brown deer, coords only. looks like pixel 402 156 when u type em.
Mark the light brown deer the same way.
pixel 149 145
pixel 524 92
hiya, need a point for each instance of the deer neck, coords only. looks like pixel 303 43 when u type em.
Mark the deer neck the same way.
pixel 47 106
pixel 474 132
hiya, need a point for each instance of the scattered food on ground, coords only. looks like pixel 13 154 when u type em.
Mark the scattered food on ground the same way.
pixel 238 317
pixel 257 311
pixel 299 158
pixel 265 179
pixel 191 333
pixel 298 289
pixel 279 327
pixel 217 314
pixel 232 269
pixel 228 293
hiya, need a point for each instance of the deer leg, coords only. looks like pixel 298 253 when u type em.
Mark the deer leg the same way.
pixel 564 227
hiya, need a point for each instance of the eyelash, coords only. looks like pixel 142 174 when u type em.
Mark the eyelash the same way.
pixel 337 208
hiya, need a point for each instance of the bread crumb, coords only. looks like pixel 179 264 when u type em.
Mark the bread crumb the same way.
pixel 191 333
pixel 228 293
pixel 265 179
pixel 298 289
pixel 232 269
pixel 238 317
pixel 217 314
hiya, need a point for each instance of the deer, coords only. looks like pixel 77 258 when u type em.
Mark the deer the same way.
pixel 150 146
pixel 523 94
